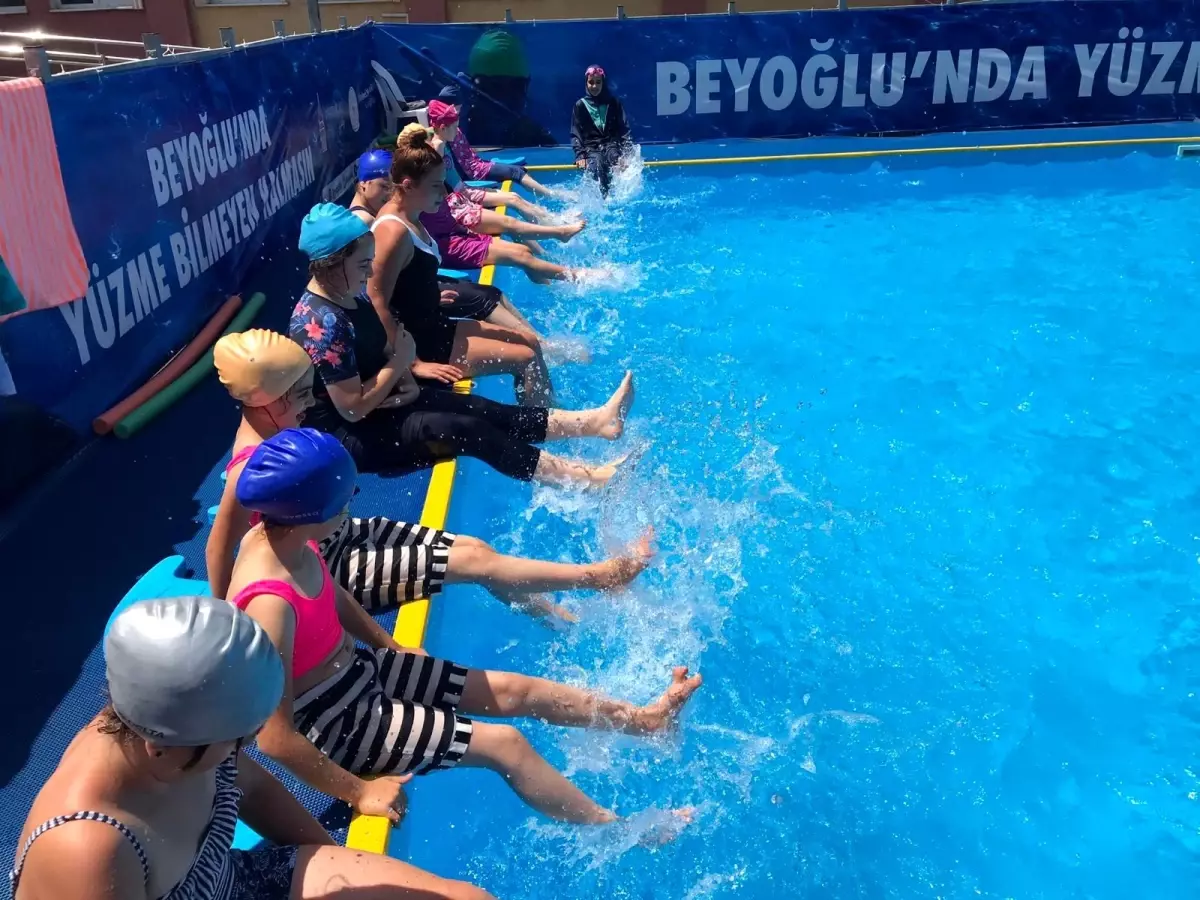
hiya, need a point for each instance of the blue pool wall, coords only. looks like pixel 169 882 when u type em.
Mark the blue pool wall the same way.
pixel 963 67
pixel 269 128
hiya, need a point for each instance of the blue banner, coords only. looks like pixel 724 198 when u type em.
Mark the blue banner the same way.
pixel 865 71
pixel 181 178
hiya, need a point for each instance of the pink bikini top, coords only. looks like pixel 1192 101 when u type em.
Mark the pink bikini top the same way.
pixel 318 630
pixel 238 458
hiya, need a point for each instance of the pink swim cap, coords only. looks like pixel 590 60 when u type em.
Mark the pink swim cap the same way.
pixel 595 70
pixel 441 114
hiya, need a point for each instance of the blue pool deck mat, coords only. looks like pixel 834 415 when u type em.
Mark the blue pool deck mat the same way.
pixel 468 274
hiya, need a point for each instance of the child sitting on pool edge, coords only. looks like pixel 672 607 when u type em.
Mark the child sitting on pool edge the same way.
pixel 477 169
pixel 349 711
pixel 381 561
pixel 145 800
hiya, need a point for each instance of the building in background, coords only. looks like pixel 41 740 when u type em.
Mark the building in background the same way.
pixel 125 20
pixel 199 22
pixel 112 20
pixel 252 19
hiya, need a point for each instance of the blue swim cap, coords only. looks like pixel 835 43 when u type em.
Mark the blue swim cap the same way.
pixel 300 476
pixel 451 94
pixel 374 164
pixel 329 228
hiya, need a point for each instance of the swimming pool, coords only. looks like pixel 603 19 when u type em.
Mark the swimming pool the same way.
pixel 921 480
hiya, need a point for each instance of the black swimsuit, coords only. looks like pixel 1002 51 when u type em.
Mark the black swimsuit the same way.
pixel 416 300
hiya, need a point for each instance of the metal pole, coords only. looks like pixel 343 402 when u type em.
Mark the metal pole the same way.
pixel 620 12
pixel 228 38
pixel 314 16
pixel 154 46
pixel 508 16
pixel 732 8
pixel 280 28
pixel 37 62
pixel 842 4
pixel 343 22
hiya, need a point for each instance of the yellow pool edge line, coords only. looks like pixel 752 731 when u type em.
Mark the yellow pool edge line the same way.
pixel 891 151
pixel 371 833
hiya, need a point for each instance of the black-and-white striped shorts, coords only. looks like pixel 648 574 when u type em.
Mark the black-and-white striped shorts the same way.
pixel 388 713
pixel 384 563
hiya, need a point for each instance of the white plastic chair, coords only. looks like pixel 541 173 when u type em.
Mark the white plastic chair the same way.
pixel 397 111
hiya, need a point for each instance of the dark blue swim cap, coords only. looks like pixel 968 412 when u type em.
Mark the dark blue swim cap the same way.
pixel 374 164
pixel 450 94
pixel 301 476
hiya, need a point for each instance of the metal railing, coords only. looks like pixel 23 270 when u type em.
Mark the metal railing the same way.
pixel 45 55
pixel 66 52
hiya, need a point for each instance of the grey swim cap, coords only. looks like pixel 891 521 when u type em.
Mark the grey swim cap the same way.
pixel 190 671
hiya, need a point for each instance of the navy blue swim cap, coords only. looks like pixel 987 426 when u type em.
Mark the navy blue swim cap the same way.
pixel 329 228
pixel 451 94
pixel 374 164
pixel 300 476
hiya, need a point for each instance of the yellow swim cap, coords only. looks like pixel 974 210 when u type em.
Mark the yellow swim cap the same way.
pixel 258 366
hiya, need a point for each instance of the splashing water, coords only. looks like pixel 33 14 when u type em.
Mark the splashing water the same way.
pixel 923 505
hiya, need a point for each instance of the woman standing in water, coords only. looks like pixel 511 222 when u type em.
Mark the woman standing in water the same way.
pixel 600 132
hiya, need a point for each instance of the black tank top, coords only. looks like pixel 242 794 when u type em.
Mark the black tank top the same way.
pixel 417 297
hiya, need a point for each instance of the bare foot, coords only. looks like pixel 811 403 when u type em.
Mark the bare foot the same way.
pixel 612 414
pixel 662 712
pixel 567 350
pixel 586 275
pixel 620 570
pixel 542 607
pixel 566 232
pixel 665 832
pixel 599 476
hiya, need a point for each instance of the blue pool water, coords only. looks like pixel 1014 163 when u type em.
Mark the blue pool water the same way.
pixel 922 474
